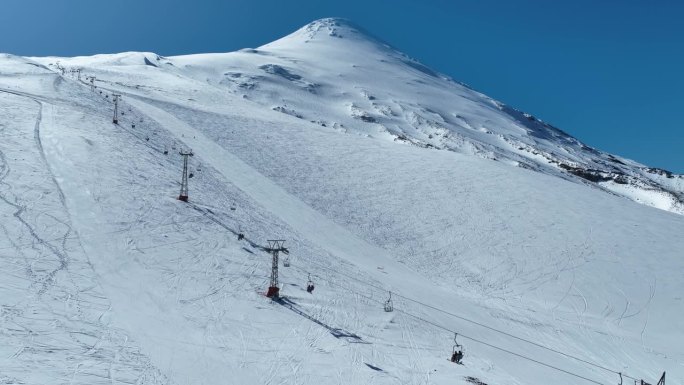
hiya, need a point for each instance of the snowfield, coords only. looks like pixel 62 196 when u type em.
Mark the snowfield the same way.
pixel 553 261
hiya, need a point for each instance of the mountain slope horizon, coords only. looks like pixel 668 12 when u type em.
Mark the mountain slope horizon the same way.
pixel 448 115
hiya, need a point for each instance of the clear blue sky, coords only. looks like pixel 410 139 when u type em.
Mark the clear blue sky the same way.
pixel 609 72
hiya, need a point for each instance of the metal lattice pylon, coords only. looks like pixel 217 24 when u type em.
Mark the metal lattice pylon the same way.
pixel 275 246
pixel 116 108
pixel 184 182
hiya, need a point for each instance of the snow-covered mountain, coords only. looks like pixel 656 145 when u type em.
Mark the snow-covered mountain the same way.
pixel 379 174
pixel 333 74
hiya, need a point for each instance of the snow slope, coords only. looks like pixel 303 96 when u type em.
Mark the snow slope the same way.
pixel 321 138
pixel 333 74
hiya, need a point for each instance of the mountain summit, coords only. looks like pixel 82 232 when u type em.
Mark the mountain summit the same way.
pixel 332 27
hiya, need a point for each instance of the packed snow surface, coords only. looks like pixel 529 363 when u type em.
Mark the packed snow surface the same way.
pixel 553 261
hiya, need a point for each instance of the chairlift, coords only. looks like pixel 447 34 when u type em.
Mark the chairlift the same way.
pixel 457 351
pixel 388 304
pixel 286 261
pixel 309 285
pixel 189 175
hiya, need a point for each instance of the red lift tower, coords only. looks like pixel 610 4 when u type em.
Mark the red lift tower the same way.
pixel 184 183
pixel 275 246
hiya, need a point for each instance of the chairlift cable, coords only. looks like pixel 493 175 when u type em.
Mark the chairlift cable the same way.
pixel 480 324
pixel 474 339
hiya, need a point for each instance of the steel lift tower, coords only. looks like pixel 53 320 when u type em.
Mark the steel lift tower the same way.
pixel 91 80
pixel 275 246
pixel 116 98
pixel 184 183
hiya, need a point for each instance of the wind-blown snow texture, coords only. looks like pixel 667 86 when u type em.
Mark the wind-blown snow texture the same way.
pixel 376 170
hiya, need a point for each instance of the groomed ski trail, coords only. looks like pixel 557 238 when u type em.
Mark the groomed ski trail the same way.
pixel 300 216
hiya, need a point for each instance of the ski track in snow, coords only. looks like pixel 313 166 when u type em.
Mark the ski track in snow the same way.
pixel 80 305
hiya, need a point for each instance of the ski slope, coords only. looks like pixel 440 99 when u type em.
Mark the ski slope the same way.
pixel 107 278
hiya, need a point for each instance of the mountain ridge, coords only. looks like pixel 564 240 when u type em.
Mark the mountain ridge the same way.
pixel 514 137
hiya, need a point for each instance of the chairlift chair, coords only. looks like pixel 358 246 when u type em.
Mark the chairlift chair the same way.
pixel 309 285
pixel 388 304
pixel 286 261
pixel 457 351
